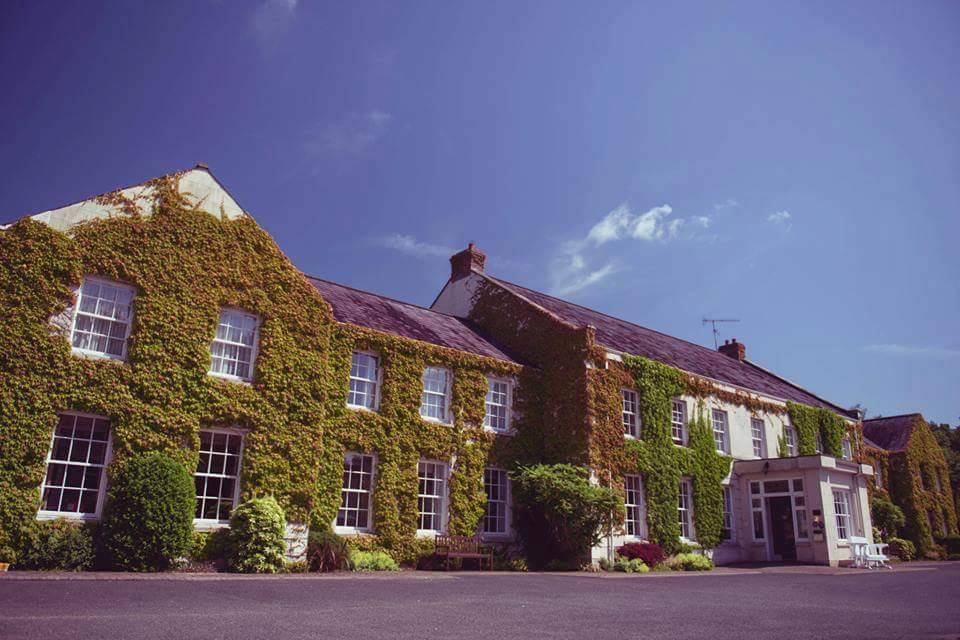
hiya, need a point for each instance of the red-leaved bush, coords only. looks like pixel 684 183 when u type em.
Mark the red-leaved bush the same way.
pixel 650 553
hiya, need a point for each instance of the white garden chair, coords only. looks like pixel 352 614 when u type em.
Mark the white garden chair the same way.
pixel 875 556
pixel 858 549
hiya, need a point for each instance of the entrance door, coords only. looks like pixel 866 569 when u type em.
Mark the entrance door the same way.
pixel 781 525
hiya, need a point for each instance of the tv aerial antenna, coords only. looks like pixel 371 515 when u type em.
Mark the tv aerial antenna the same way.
pixel 716 333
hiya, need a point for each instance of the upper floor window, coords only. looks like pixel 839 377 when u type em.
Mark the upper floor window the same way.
pixel 234 345
pixel 356 493
pixel 678 421
pixel 218 474
pixel 819 443
pixel 726 531
pixel 631 419
pixel 364 381
pixel 431 496
pixel 435 399
pixel 790 436
pixel 685 510
pixel 635 523
pixel 758 437
pixel 720 434
pixel 74 482
pixel 495 484
pixel 847 449
pixel 101 323
pixel 498 402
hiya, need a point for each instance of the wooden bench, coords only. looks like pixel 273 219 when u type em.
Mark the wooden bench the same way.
pixel 463 547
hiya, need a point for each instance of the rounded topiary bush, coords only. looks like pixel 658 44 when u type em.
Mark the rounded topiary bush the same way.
pixel 256 545
pixel 149 521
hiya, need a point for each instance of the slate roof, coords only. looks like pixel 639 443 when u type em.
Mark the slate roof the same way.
pixel 365 309
pixel 626 337
pixel 892 433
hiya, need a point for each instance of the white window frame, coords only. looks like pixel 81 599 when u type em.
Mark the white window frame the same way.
pixel 843 514
pixel 846 448
pixel 448 385
pixel 346 529
pixel 443 497
pixel 682 424
pixel 91 353
pixel 728 520
pixel 378 378
pixel 506 502
pixel 685 510
pixel 790 437
pixel 758 437
pixel 630 419
pixel 210 523
pixel 254 348
pixel 724 444
pixel 638 505
pixel 44 514
pixel 508 428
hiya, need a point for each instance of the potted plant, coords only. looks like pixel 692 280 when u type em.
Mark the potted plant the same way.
pixel 7 557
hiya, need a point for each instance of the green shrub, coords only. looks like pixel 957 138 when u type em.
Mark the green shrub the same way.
pixel 149 520
pixel 689 562
pixel 7 554
pixel 210 546
pixel 256 544
pixel 372 561
pixel 559 514
pixel 57 545
pixel 326 551
pixel 902 548
pixel 886 516
pixel 630 566
pixel 687 547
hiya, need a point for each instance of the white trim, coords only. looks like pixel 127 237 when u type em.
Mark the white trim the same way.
pixel 254 348
pixel 348 530
pixel 508 506
pixel 443 497
pixel 447 393
pixel 685 483
pixel 509 406
pixel 634 398
pixel 377 383
pixel 43 514
pixel 100 355
pixel 757 425
pixel 640 526
pixel 684 423
pixel 205 524
pixel 725 432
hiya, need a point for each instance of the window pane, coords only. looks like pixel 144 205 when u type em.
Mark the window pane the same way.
pixel 217 475
pixel 231 351
pixel 75 464
pixel 102 318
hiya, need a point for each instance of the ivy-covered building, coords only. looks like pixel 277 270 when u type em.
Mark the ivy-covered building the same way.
pixel 161 317
pixel 911 470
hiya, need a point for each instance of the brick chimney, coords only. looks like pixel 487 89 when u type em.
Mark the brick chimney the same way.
pixel 469 260
pixel 733 349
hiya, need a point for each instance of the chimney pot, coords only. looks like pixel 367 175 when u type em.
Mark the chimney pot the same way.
pixel 733 349
pixel 464 263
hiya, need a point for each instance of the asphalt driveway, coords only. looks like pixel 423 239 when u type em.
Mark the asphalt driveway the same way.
pixel 913 601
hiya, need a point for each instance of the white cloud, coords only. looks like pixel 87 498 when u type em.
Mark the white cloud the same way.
pixel 729 203
pixel 411 246
pixel 702 221
pixel 570 272
pixel 351 136
pixel 622 223
pixel 780 217
pixel 904 350
pixel 272 18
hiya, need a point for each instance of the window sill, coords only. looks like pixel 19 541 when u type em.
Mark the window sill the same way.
pixel 357 407
pixel 210 525
pixel 497 432
pixel 229 378
pixel 351 531
pixel 428 533
pixel 76 517
pixel 96 355
pixel 435 421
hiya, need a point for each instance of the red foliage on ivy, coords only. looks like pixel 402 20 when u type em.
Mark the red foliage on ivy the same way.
pixel 651 554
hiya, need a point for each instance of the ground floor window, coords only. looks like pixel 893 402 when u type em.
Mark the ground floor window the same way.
pixel 756 510
pixel 841 507
pixel 635 523
pixel 495 485
pixel 355 493
pixel 727 532
pixel 72 486
pixel 685 510
pixel 218 473
pixel 431 496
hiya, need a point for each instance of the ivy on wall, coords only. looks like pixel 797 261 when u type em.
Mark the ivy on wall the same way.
pixel 185 265
pixel 810 421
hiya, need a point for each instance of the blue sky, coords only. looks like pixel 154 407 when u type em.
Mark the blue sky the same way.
pixel 794 165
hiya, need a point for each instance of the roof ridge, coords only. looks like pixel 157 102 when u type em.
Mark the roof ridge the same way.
pixel 899 415
pixel 383 297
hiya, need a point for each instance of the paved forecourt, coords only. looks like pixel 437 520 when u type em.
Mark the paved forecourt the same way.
pixel 912 601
